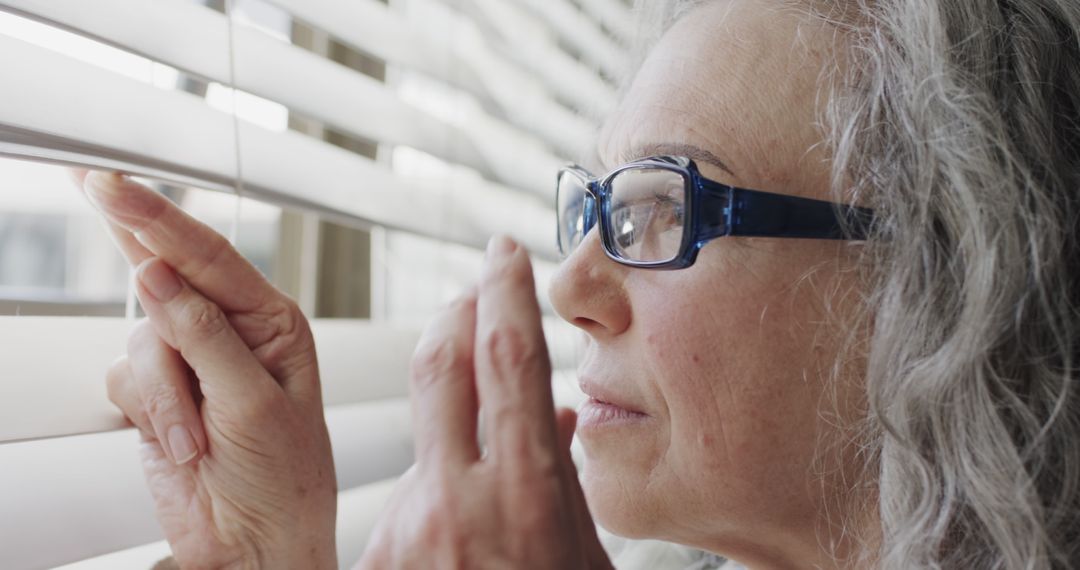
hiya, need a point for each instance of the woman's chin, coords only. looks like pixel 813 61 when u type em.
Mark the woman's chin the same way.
pixel 618 504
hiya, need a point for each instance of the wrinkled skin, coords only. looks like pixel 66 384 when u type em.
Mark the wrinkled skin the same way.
pixel 517 504
pixel 726 362
pixel 227 357
pixel 235 367
pixel 740 445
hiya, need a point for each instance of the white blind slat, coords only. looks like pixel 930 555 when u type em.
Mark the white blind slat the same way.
pixel 182 34
pixel 581 33
pixel 76 497
pixel 54 381
pixel 173 132
pixel 615 16
pixel 373 27
pixel 522 70
pixel 298 79
pixel 69 477
pixel 357 514
pixel 438 40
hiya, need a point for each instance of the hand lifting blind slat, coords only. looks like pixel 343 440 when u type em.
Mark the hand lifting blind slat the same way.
pixel 532 104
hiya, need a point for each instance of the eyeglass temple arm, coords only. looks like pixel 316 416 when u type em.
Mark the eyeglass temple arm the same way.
pixel 764 214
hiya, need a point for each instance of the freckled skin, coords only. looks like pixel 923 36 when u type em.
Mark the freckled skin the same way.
pixel 728 357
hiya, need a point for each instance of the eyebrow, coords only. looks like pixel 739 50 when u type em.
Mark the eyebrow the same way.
pixel 679 149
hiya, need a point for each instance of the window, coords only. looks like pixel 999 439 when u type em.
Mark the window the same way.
pixel 360 152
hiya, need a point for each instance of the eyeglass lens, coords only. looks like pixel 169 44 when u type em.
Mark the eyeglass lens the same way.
pixel 646 215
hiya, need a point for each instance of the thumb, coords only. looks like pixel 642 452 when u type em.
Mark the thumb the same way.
pixel 198 329
pixel 595 556
pixel 565 423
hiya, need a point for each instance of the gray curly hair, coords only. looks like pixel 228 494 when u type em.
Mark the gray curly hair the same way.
pixel 959 121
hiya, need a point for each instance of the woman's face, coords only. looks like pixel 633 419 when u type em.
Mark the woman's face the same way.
pixel 725 361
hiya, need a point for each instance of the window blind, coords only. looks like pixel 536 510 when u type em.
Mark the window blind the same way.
pixel 488 97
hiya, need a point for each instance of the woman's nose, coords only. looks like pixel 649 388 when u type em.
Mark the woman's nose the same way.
pixel 588 290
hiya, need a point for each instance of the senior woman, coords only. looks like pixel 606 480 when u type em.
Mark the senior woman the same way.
pixel 904 398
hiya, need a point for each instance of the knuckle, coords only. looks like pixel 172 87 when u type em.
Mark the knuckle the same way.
pixel 287 327
pixel 279 335
pixel 121 392
pixel 203 319
pixel 142 336
pixel 438 359
pixel 510 350
pixel 116 379
pixel 217 248
pixel 160 400
pixel 291 320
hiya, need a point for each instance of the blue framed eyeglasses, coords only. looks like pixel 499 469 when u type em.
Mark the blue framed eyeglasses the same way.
pixel 658 212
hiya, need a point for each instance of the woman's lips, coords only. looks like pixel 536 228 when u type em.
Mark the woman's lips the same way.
pixel 594 414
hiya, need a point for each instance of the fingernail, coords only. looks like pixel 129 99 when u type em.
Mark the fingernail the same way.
pixel 182 444
pixel 499 245
pixel 159 280
pixel 101 186
pixel 103 190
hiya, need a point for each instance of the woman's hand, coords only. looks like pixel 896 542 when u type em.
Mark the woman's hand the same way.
pixel 223 384
pixel 517 504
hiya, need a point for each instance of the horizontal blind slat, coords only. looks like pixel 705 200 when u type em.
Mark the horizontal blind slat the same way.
pixel 174 134
pixel 184 35
pixel 358 512
pixel 298 79
pixel 583 34
pixel 63 489
pixel 615 15
pixel 438 40
pixel 373 27
pixel 55 370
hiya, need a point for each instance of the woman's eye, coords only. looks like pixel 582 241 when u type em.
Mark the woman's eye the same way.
pixel 668 212
pixel 633 220
pixel 678 214
pixel 624 223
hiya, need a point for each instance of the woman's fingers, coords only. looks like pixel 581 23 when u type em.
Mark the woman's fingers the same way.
pixel 146 224
pixel 120 384
pixel 129 246
pixel 125 241
pixel 228 372
pixel 443 390
pixel 566 422
pixel 164 385
pixel 151 387
pixel 513 373
pixel 198 253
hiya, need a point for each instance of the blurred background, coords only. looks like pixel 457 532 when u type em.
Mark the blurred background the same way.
pixel 359 152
